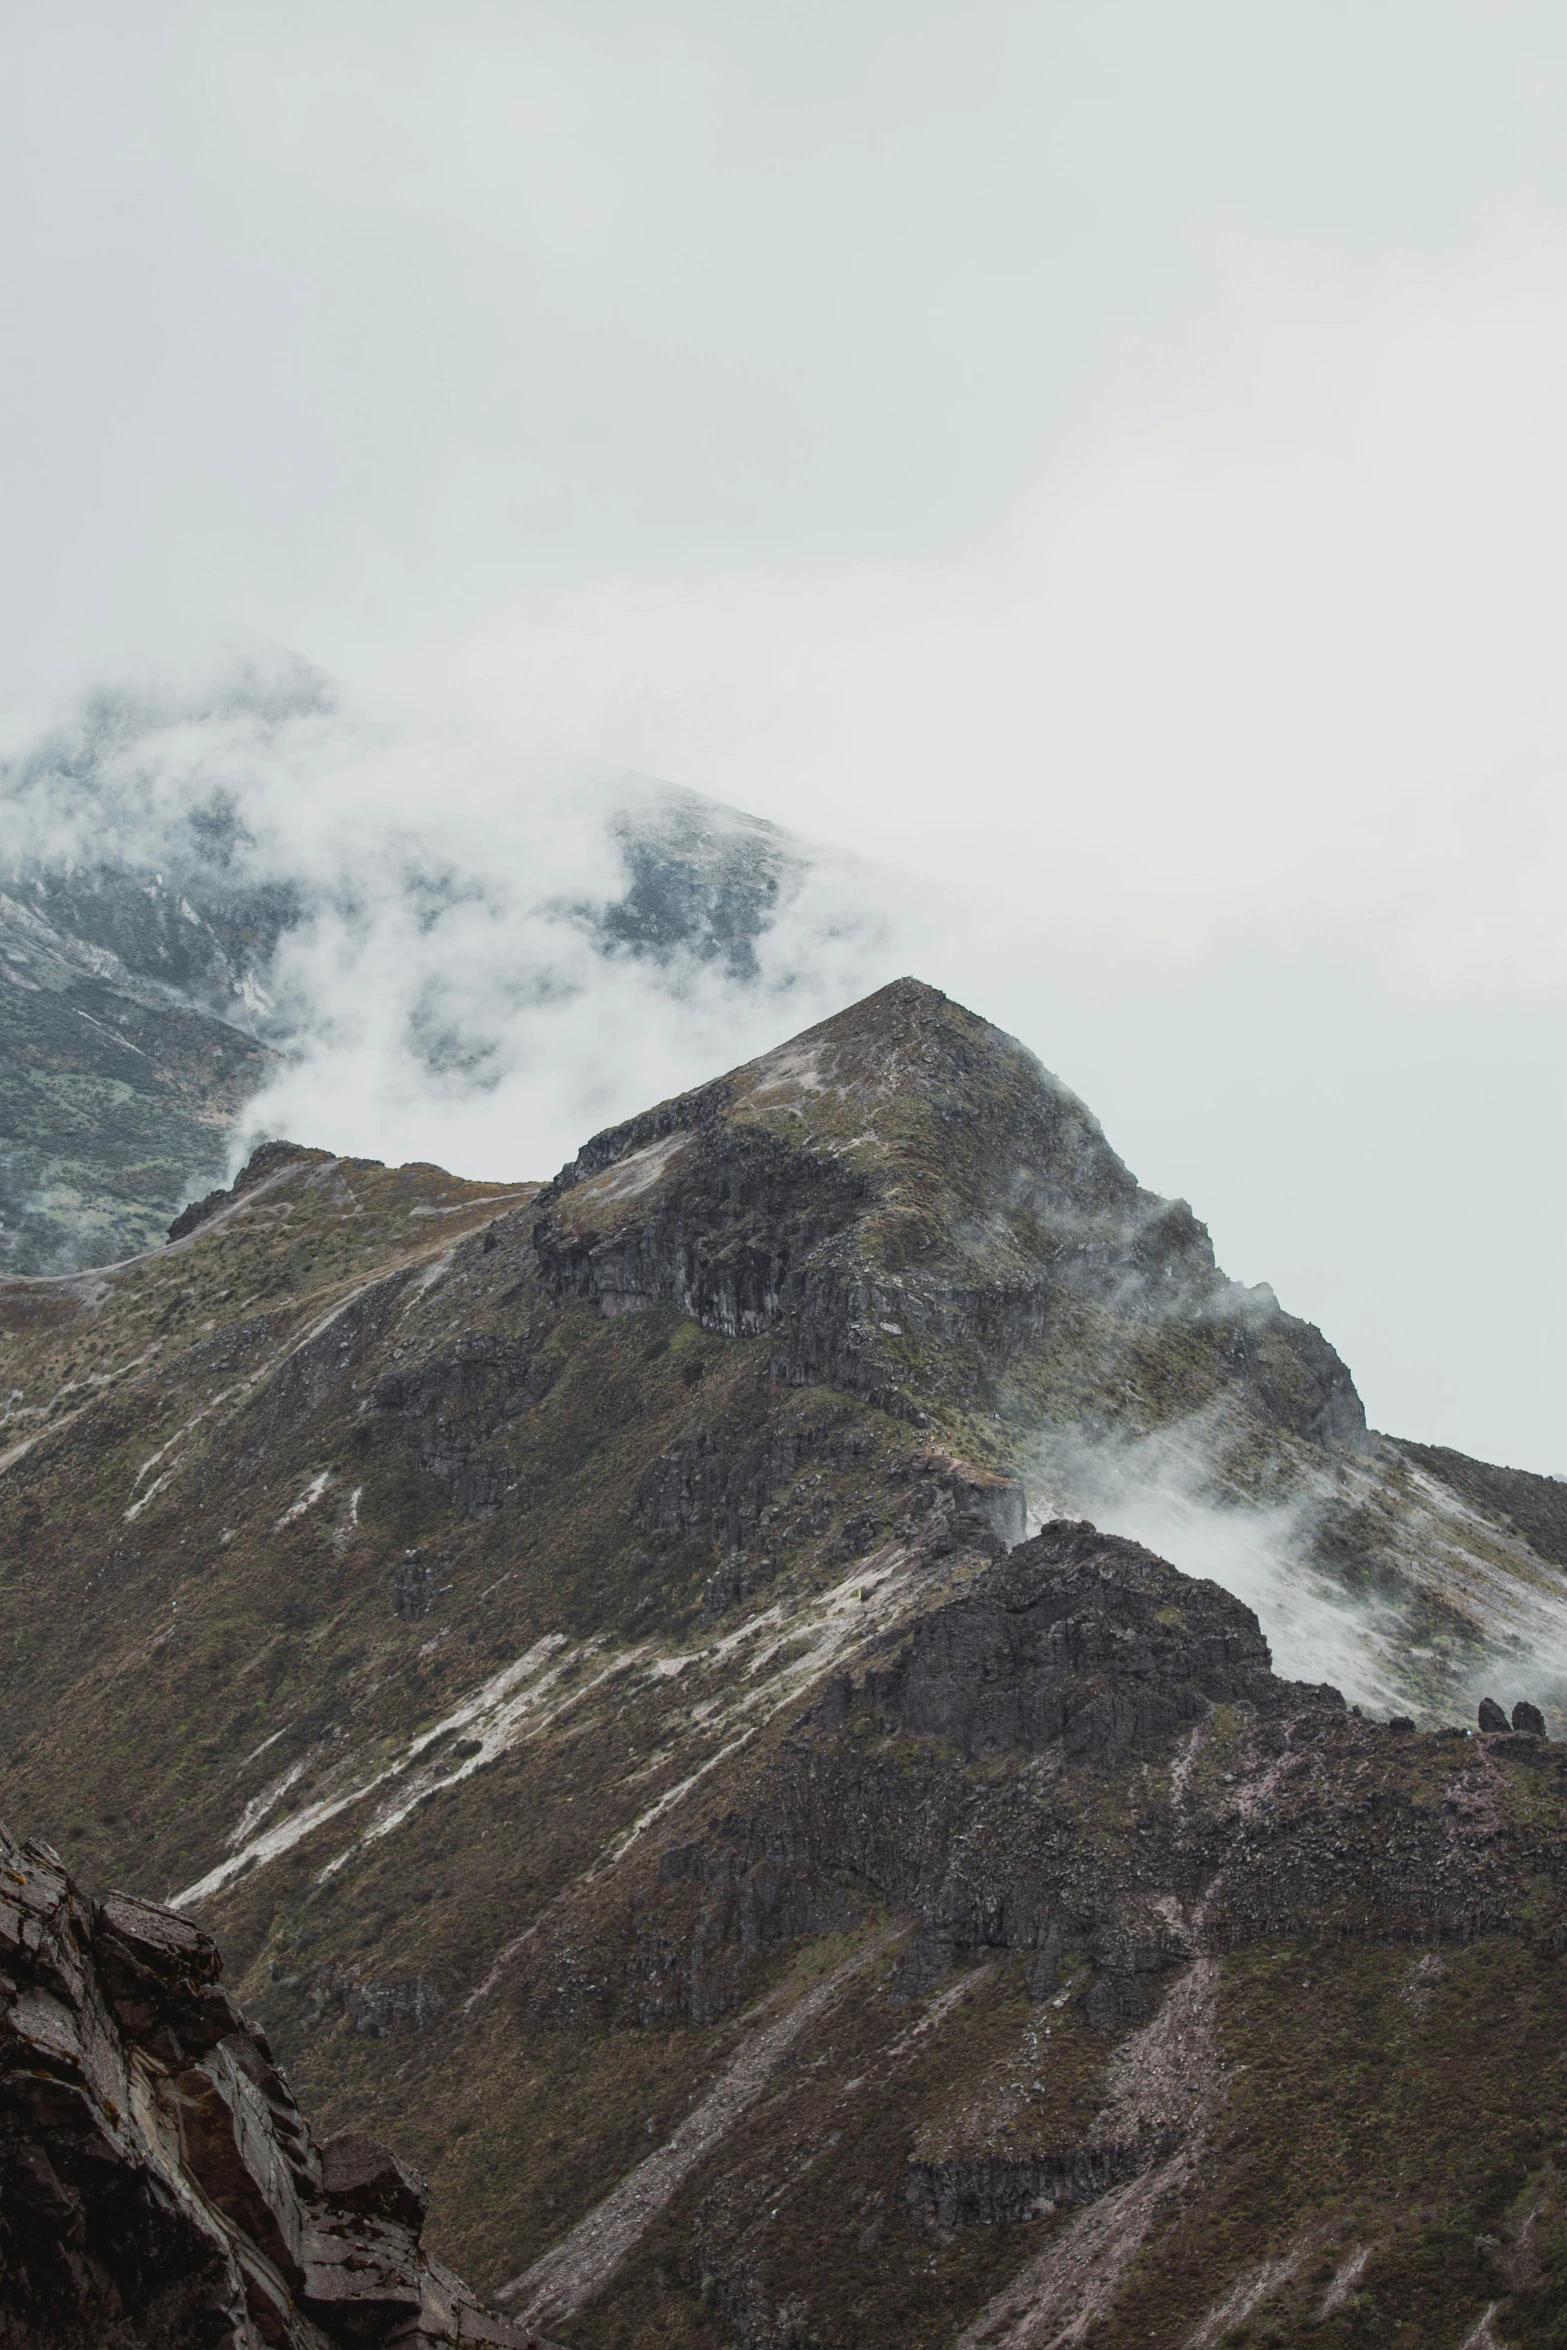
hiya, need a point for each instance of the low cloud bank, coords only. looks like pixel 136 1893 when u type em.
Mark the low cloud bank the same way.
pixel 1163 1491
pixel 1446 1617
pixel 458 953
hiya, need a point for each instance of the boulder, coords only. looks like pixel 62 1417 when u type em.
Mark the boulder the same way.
pixel 1491 1715
pixel 1528 1720
pixel 1078 1637
pixel 159 2187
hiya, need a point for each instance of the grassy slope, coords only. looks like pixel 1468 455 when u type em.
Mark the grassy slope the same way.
pixel 163 1670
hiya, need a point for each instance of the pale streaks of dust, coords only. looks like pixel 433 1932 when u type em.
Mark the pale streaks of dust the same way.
pixel 95 1382
pixel 306 1500
pixel 247 1201
pixel 629 1177
pixel 1076 2276
pixel 1256 1793
pixel 667 1801
pixel 793 1067
pixel 501 1713
pixel 498 1199
pixel 1164 2086
pixel 258 1807
pixel 600 1868
pixel 581 2264
pixel 244 1388
pixel 155 1488
pixel 1485 2335
pixel 495 1713
pixel 1181 1769
pixel 1242 2298
pixel 836 1623
pixel 213 1404
pixel 1424 1973
pixel 1162 2083
pixel 938 2010
pixel 1161 2078
pixel 1345 2277
pixel 496 1727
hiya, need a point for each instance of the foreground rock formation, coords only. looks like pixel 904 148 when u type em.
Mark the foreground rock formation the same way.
pixel 159 2186
pixel 577 1649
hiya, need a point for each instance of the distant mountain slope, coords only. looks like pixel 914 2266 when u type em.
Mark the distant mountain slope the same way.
pixel 577 1645
pixel 1534 1507
pixel 145 910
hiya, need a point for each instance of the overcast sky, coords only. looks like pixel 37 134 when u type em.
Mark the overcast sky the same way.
pixel 1109 457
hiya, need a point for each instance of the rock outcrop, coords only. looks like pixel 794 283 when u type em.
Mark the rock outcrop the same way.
pixel 905 1173
pixel 963 1781
pixel 159 2187
pixel 1079 1638
pixel 264 1160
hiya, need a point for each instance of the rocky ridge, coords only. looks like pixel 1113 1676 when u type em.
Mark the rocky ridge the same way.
pixel 595 1678
pixel 909 1203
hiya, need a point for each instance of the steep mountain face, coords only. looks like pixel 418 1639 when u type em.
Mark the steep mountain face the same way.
pixel 145 990
pixel 921 1215
pixel 581 1649
pixel 116 1090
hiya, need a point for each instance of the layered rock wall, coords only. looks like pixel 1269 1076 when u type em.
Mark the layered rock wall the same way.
pixel 159 2187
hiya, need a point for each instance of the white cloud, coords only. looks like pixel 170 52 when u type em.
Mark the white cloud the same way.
pixel 1285 655
pixel 1109 459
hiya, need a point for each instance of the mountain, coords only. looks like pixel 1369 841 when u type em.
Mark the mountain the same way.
pixel 581 1649
pixel 157 924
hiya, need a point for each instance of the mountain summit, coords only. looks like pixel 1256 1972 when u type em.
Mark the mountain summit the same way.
pixel 581 1649
pixel 920 1213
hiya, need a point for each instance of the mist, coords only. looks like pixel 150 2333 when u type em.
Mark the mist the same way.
pixel 1502 1622
pixel 442 982
pixel 1103 471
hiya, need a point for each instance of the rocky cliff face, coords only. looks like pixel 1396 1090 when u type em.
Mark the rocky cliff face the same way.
pixel 917 1212
pixel 580 1650
pixel 159 2186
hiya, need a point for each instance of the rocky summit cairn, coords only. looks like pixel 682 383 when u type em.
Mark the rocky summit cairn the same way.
pixel 159 2187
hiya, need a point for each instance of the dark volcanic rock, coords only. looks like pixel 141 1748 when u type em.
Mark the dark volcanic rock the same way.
pixel 990 2190
pixel 413 1587
pixel 1079 1637
pixel 972 1779
pixel 455 1404
pixel 738 1236
pixel 1491 1715
pixel 264 1160
pixel 159 2187
pixel 907 1173
pixel 1528 1720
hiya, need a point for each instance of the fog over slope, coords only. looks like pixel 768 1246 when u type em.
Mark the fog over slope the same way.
pixel 412 945
pixel 240 908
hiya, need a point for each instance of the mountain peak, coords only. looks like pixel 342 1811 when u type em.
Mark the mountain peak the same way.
pixel 626 1755
pixel 922 1213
